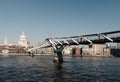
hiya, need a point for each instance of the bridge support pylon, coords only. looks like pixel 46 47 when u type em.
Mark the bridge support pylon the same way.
pixel 59 56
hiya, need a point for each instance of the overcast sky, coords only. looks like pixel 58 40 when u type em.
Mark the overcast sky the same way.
pixel 40 19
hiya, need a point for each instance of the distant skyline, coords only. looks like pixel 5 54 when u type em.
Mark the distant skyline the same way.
pixel 40 19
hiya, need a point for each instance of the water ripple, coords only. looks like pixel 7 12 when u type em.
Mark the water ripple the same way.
pixel 42 69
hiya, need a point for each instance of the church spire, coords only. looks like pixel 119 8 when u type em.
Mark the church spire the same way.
pixel 5 40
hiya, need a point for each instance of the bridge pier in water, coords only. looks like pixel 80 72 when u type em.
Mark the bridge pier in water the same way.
pixel 59 56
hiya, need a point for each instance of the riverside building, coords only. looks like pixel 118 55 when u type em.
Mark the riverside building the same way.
pixel 20 48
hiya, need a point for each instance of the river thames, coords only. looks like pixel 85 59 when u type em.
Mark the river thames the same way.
pixel 73 69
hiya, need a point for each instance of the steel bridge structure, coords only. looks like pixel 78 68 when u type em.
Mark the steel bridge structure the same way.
pixel 59 43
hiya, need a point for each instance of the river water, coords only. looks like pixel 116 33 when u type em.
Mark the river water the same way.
pixel 73 69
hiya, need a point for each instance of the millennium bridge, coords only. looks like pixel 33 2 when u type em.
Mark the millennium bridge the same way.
pixel 58 44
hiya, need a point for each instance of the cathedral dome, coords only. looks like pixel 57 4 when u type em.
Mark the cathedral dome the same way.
pixel 23 40
pixel 23 36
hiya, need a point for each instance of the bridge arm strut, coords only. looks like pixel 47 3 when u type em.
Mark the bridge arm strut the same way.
pixel 66 41
pixel 75 41
pixel 87 40
pixel 53 44
pixel 58 42
pixel 106 37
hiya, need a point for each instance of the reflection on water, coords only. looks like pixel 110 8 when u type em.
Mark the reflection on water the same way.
pixel 43 69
